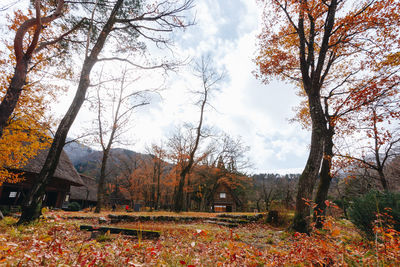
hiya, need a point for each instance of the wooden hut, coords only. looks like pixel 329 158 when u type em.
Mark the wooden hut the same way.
pixel 58 189
pixel 225 200
pixel 85 195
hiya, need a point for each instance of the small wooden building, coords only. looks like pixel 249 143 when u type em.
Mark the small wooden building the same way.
pixel 85 195
pixel 225 200
pixel 58 189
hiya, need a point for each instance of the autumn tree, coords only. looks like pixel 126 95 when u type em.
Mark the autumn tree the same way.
pixel 158 156
pixel 274 187
pixel 345 107
pixel 185 146
pixel 380 141
pixel 130 180
pixel 114 108
pixel 224 162
pixel 32 38
pixel 321 46
pixel 24 119
pixel 128 21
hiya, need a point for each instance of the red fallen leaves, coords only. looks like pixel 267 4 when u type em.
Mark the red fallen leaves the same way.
pixel 200 232
pixel 254 245
pixel 184 263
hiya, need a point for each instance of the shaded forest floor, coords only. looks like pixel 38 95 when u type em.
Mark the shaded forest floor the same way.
pixel 55 240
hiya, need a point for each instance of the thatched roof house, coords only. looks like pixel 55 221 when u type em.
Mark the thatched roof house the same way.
pixel 58 188
pixel 225 199
pixel 65 169
pixel 86 194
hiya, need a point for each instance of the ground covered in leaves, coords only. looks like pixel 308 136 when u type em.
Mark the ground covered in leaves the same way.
pixel 56 241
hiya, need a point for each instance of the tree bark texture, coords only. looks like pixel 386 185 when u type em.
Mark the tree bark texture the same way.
pixel 325 179
pixel 102 179
pixel 158 183
pixel 379 162
pixel 306 183
pixel 178 202
pixel 32 205
pixel 13 93
pixel 312 78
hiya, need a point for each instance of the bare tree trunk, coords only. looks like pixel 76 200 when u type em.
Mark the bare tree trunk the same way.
pixel 382 179
pixel 102 179
pixel 258 204
pixel 178 203
pixel 13 93
pixel 312 78
pixel 324 179
pixel 209 80
pixel 153 186
pixel 158 185
pixel 310 173
pixel 379 162
pixel 32 205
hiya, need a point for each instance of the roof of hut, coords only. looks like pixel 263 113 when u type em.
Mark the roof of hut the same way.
pixel 86 192
pixel 65 170
pixel 233 194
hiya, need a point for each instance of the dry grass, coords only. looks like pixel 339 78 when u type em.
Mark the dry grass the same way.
pixel 104 213
pixel 59 242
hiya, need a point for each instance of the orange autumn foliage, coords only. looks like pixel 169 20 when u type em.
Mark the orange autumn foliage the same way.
pixel 27 130
pixel 363 55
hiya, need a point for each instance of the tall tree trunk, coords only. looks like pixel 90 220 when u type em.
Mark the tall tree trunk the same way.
pixel 31 207
pixel 325 179
pixel 383 180
pixel 258 205
pixel 379 162
pixel 102 179
pixel 310 173
pixel 209 80
pixel 13 93
pixel 158 185
pixel 153 186
pixel 187 196
pixel 312 79
pixel 178 200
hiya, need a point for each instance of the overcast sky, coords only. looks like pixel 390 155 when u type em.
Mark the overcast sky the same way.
pixel 226 30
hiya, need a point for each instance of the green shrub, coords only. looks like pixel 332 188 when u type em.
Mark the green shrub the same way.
pixel 363 211
pixel 74 206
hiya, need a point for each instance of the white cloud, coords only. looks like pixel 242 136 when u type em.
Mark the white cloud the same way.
pixel 245 107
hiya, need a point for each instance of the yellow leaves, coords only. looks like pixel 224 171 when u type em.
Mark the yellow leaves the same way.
pixel 335 232
pixel 20 142
pixel 392 60
pixel 26 132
